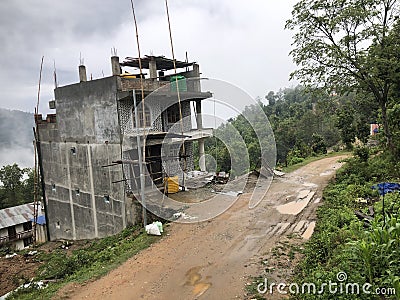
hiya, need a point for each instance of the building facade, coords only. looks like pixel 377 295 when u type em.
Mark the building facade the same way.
pixel 90 147
pixel 17 226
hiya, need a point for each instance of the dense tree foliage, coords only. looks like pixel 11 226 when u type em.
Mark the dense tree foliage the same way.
pixel 349 45
pixel 16 186
pixel 303 124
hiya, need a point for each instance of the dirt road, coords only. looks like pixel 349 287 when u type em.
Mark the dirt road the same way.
pixel 214 259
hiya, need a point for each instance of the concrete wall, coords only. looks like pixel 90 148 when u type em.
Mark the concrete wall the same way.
pixel 87 111
pixel 19 244
pixel 40 233
pixel 83 202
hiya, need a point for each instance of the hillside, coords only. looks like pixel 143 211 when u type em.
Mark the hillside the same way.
pixel 16 137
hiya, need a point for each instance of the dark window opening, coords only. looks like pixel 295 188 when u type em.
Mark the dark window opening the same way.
pixel 12 232
pixel 27 226
pixel 77 192
pixel 73 151
pixel 107 198
pixel 139 112
pixel 173 115
pixel 53 187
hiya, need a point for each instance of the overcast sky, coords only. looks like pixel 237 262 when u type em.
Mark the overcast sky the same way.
pixel 242 42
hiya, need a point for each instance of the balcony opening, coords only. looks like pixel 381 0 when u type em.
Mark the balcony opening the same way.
pixel 147 116
pixel 173 115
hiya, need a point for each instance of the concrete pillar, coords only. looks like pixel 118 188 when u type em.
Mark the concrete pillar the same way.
pixel 153 68
pixel 82 73
pixel 202 157
pixel 115 67
pixel 92 194
pixel 196 74
pixel 199 119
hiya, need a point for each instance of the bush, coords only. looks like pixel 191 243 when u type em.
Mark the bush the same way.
pixel 341 242
pixel 318 144
pixel 362 153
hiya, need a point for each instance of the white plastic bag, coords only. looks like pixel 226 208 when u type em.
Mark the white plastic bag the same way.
pixel 153 229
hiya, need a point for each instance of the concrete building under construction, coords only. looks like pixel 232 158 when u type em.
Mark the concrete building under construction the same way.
pixel 89 147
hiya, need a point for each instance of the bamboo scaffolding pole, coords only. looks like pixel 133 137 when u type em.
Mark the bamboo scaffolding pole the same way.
pixel 178 94
pixel 143 154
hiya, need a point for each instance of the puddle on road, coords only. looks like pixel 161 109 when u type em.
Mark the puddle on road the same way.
pixel 309 231
pixel 303 194
pixel 193 278
pixel 327 173
pixel 295 207
pixel 292 208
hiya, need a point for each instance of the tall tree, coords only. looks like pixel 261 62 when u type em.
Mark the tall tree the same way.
pixel 14 189
pixel 347 45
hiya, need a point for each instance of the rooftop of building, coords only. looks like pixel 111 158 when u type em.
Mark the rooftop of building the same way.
pixel 162 62
pixel 17 215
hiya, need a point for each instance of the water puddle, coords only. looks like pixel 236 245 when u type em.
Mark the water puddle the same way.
pixel 194 279
pixel 309 231
pixel 295 207
pixel 303 194
pixel 327 173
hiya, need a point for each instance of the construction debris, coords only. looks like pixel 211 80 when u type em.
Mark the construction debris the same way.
pixel 183 216
pixel 11 255
pixel 278 173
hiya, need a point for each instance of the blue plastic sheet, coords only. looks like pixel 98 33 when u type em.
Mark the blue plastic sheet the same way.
pixel 386 187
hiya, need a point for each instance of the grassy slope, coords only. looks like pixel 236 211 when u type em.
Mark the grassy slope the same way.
pixel 92 262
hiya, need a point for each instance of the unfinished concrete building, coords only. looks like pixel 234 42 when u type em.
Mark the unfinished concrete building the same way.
pixel 87 143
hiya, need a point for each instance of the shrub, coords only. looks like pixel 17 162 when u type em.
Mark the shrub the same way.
pixel 362 153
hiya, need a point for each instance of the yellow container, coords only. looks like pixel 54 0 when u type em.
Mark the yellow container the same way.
pixel 171 184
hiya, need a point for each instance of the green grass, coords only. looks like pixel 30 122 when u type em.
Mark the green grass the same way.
pixel 311 159
pixel 367 252
pixel 95 260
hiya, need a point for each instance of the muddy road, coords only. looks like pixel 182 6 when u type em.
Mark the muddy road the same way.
pixel 215 259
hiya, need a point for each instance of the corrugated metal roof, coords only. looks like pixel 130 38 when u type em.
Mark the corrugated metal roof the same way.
pixel 17 215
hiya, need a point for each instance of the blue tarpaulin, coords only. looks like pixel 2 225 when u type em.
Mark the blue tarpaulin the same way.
pixel 40 220
pixel 386 187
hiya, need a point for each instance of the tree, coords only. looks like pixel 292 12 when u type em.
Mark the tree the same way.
pixel 318 144
pixel 15 190
pixel 271 98
pixel 345 45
